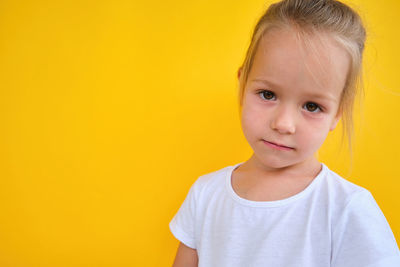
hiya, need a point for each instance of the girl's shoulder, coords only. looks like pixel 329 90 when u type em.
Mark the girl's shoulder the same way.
pixel 340 187
pixel 358 222
pixel 213 180
pixel 345 197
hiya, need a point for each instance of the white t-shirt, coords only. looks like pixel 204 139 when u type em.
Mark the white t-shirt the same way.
pixel 332 222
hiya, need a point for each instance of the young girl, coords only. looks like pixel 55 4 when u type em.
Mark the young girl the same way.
pixel 282 207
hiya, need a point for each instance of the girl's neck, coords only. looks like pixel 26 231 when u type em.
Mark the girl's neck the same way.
pixel 309 168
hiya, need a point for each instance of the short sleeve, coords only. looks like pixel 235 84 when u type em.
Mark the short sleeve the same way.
pixel 362 236
pixel 182 224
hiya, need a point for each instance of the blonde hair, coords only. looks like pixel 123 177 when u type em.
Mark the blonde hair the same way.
pixel 312 17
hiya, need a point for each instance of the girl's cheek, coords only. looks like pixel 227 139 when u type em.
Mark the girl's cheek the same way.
pixel 258 108
pixel 317 117
pixel 316 122
pixel 263 106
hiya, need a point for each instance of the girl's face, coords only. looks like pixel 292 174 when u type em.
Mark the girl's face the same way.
pixel 292 97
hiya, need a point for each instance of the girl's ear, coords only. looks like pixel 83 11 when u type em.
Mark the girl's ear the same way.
pixel 335 121
pixel 239 72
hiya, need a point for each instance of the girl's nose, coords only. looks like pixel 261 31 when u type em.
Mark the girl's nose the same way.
pixel 284 121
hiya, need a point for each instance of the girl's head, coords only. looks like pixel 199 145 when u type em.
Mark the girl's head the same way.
pixel 304 48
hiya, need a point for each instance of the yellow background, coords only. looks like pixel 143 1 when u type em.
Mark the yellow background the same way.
pixel 110 110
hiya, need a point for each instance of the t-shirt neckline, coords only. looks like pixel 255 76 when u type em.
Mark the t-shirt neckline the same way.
pixel 274 203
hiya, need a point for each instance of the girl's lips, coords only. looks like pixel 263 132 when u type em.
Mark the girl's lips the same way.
pixel 277 146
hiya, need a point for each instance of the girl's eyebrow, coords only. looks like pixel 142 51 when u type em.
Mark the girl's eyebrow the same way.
pixel 266 82
pixel 325 96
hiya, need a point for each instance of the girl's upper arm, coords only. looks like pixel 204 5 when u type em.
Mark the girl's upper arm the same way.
pixel 363 237
pixel 185 257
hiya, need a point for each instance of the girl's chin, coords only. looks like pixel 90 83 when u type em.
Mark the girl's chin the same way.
pixel 274 162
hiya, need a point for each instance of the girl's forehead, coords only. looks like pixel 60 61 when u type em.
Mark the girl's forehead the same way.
pixel 312 60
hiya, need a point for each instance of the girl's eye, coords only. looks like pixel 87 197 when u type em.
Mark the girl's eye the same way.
pixel 267 95
pixel 312 107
